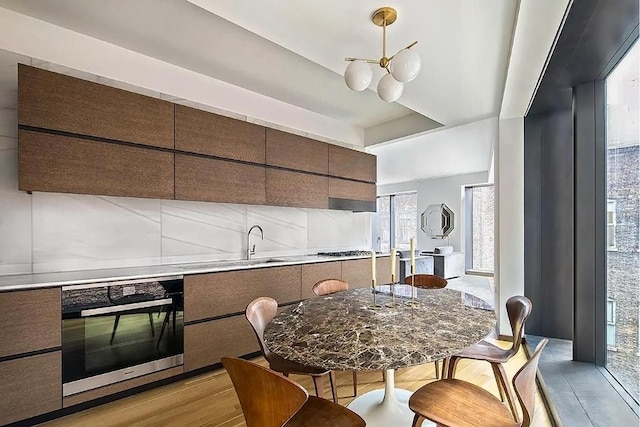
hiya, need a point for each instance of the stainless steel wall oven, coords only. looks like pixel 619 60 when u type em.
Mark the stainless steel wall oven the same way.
pixel 115 331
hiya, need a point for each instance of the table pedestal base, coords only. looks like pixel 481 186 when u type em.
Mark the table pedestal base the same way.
pixel 385 408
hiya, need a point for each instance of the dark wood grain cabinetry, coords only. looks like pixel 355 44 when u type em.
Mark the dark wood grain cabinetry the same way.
pixel 383 270
pixel 287 188
pixel 73 165
pixel 58 102
pixel 205 343
pixel 352 164
pixel 297 152
pixel 81 137
pixel 211 180
pixel 30 386
pixel 30 321
pixel 357 272
pixel 202 132
pixel 313 273
pixel 217 294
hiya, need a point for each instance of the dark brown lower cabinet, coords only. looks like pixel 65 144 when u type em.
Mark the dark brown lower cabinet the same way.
pixel 296 189
pixel 383 270
pixel 313 273
pixel 357 272
pixel 64 164
pixel 205 343
pixel 30 386
pixel 211 180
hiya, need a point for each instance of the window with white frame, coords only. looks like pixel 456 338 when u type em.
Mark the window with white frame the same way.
pixel 611 324
pixel 397 221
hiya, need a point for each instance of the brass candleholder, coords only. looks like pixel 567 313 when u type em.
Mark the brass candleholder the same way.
pixel 412 302
pixel 393 303
pixel 374 306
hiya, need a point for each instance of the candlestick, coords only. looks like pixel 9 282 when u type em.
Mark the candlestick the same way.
pixel 373 267
pixel 393 263
pixel 413 255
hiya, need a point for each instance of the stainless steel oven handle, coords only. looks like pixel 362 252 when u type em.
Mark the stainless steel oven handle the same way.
pixel 125 307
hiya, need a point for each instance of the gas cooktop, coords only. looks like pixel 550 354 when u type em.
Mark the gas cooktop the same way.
pixel 345 253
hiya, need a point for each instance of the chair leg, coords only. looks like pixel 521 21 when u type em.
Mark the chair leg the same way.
pixel 437 363
pixel 165 322
pixel 417 421
pixel 496 375
pixel 355 383
pixel 153 329
pixel 507 390
pixel 453 364
pixel 334 386
pixel 318 384
pixel 115 326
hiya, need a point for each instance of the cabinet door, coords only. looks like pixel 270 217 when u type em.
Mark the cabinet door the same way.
pixel 30 321
pixel 297 152
pixel 211 180
pixel 351 190
pixel 353 164
pixel 205 343
pixel 313 273
pixel 207 133
pixel 216 294
pixel 383 270
pixel 73 165
pixel 55 101
pixel 30 386
pixel 286 188
pixel 357 273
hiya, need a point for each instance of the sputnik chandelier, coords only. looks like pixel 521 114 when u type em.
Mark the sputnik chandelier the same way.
pixel 402 67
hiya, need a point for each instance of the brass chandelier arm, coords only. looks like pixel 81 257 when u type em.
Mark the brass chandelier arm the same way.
pixel 370 61
pixel 408 47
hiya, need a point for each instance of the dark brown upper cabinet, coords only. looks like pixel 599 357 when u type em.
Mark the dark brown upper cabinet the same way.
pixel 352 164
pixel 351 190
pixel 296 189
pixel 212 180
pixel 202 132
pixel 297 152
pixel 63 164
pixel 54 101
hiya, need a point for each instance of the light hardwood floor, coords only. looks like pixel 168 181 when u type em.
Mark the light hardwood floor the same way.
pixel 210 400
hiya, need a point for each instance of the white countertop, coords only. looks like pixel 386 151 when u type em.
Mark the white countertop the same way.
pixel 47 280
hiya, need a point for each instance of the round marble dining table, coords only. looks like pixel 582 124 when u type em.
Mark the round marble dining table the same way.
pixel 342 331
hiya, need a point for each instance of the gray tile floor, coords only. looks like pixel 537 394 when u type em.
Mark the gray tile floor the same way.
pixel 580 392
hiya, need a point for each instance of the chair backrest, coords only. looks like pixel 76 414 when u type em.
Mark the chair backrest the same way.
pixel 426 281
pixel 259 313
pixel 524 384
pixel 267 398
pixel 518 310
pixel 329 286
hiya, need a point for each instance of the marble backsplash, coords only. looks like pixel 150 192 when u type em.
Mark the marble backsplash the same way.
pixel 50 232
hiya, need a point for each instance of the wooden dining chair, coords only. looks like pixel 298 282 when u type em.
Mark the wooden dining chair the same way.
pixel 427 281
pixel 271 400
pixel 259 313
pixel 327 287
pixel 518 310
pixel 452 402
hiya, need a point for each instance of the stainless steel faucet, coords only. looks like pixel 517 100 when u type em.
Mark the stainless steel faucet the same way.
pixel 252 250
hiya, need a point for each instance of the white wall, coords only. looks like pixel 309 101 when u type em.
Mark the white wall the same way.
pixel 49 232
pixel 509 216
pixel 439 190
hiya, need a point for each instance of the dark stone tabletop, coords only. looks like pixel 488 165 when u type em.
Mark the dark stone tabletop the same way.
pixel 341 332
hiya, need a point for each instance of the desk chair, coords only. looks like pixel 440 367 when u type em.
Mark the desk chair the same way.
pixel 259 313
pixel 270 400
pixel 452 402
pixel 518 310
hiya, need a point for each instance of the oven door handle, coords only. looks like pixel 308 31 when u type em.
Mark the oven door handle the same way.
pixel 125 307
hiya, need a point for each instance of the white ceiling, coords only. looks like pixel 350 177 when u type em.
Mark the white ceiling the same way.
pixel 294 51
pixel 462 149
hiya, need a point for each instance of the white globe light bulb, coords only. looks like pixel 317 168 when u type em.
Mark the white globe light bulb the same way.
pixel 358 75
pixel 405 66
pixel 389 89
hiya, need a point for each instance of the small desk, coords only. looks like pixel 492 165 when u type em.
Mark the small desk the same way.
pixel 340 332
